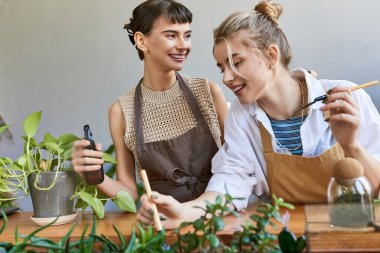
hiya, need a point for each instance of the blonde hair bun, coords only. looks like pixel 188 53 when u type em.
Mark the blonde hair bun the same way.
pixel 271 10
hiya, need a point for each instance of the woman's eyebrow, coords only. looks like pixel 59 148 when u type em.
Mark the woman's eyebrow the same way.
pixel 175 31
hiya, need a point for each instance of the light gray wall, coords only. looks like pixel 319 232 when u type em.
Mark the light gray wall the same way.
pixel 72 59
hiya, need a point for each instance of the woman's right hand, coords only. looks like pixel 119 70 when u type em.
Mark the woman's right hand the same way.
pixel 85 159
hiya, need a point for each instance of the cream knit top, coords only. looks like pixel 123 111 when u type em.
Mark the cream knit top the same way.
pixel 166 114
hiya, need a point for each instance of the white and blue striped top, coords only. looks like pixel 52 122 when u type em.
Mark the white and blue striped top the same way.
pixel 287 133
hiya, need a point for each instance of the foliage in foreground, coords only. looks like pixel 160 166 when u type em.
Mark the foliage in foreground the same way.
pixel 203 237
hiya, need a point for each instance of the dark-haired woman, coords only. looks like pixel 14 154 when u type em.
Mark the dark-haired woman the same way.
pixel 170 125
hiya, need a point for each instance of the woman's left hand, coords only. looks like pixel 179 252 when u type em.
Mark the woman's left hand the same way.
pixel 171 211
pixel 344 117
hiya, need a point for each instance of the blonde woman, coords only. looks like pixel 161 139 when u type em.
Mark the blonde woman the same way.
pixel 271 144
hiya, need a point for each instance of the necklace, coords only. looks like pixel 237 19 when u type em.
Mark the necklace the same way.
pixel 302 118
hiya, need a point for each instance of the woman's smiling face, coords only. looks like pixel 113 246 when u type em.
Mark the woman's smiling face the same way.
pixel 169 44
pixel 248 79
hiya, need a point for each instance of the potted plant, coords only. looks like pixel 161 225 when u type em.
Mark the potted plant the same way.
pixel 44 171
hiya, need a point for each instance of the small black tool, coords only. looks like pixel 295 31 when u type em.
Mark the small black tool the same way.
pixel 96 176
pixel 320 98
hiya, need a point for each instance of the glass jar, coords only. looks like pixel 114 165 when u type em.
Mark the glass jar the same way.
pixel 350 202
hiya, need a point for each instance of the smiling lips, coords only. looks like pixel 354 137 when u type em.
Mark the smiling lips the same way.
pixel 178 57
pixel 238 89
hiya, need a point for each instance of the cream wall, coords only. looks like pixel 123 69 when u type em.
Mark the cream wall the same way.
pixel 72 59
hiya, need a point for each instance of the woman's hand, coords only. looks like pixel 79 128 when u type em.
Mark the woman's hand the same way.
pixel 344 117
pixel 171 211
pixel 85 159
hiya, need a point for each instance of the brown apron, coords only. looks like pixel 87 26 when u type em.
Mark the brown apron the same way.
pixel 180 167
pixel 299 179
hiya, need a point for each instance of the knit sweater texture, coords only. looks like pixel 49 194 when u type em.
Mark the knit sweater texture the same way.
pixel 166 114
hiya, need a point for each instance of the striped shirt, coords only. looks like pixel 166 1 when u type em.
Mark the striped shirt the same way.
pixel 287 133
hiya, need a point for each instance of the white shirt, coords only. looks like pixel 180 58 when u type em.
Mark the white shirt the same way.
pixel 240 167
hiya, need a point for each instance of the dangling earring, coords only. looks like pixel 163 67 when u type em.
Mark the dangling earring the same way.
pixel 146 51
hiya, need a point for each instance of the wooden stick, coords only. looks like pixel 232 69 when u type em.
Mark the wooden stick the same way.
pixel 364 85
pixel 148 190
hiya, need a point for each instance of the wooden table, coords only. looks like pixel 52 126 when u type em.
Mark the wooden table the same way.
pixel 321 238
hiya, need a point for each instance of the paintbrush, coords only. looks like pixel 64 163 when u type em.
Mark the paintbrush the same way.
pixel 323 97
pixel 148 190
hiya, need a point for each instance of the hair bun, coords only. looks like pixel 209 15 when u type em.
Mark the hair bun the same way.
pixel 271 10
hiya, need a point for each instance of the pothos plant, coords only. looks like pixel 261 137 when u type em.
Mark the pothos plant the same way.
pixel 6 198
pixel 53 155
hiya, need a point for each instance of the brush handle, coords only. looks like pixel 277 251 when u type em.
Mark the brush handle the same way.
pixel 148 190
pixel 364 85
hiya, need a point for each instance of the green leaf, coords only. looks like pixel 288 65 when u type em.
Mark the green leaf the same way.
pixel 131 243
pixel 51 146
pixel 50 138
pixel 95 203
pixel 67 139
pixel 110 149
pixel 82 239
pixel 91 240
pixel 121 237
pixel 5 160
pixel 287 241
pixel 4 187
pixel 287 205
pixel 218 200
pixel 5 218
pixel 125 201
pixel 3 250
pixel 27 238
pixel 31 124
pixel 67 153
pixel 301 243
pixel 108 158
pixel 32 142
pixel 15 167
pixel 199 224
pixel 218 223
pixel 2 128
pixel 192 242
pixel 63 241
pixel 111 171
pixel 214 241
pixel 81 204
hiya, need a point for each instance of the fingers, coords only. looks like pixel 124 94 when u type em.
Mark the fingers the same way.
pixel 162 200
pixel 340 101
pixel 85 159
pixel 145 214
pixel 342 108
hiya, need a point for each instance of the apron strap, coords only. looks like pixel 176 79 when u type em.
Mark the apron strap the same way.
pixel 266 139
pixel 138 115
pixel 190 98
